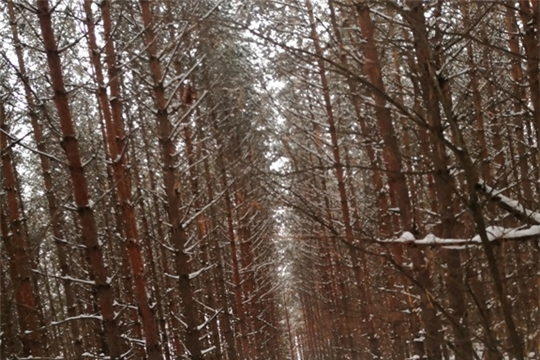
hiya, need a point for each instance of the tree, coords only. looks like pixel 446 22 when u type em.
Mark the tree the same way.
pixel 269 180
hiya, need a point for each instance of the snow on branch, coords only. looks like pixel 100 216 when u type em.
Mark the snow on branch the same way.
pixel 186 223
pixel 135 341
pixel 210 349
pixel 193 275
pixel 495 233
pixel 78 317
pixel 86 354
pixel 68 319
pixel 202 326
pixel 175 277
pixel 512 206
pixel 68 278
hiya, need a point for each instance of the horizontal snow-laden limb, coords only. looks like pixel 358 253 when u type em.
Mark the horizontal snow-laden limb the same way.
pixel 494 233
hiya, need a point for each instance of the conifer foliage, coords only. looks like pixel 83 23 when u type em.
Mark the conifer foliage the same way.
pixel 301 179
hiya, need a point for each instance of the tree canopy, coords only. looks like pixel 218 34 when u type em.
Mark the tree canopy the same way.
pixel 295 179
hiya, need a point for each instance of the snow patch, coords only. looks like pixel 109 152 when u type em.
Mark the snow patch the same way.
pixel 407 236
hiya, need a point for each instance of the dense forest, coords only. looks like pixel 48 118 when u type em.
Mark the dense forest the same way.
pixel 264 179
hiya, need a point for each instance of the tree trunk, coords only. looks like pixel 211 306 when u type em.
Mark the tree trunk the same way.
pixel 339 173
pixel 55 212
pixel 80 187
pixel 115 136
pixel 179 236
pixel 19 255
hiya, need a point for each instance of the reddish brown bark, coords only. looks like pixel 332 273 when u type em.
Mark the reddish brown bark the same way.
pixel 289 330
pixel 246 261
pixel 529 18
pixel 442 180
pixel 158 233
pixel 477 101
pixel 155 274
pixel 392 154
pixel 216 258
pixel 179 236
pixel 333 274
pixel 201 229
pixel 436 93
pixel 520 93
pixel 79 184
pixel 8 316
pixel 19 254
pixel 382 201
pixel 463 346
pixel 340 178
pixel 244 346
pixel 55 212
pixel 409 152
pixel 115 136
